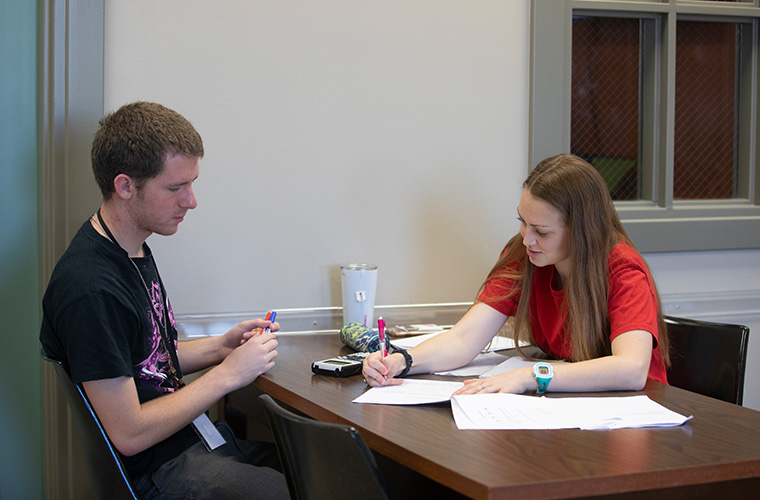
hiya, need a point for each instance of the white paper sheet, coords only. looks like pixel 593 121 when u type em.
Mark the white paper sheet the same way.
pixel 411 392
pixel 489 364
pixel 498 343
pixel 481 364
pixel 513 411
pixel 509 364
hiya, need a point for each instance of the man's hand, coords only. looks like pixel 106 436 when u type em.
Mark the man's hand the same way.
pixel 250 359
pixel 242 332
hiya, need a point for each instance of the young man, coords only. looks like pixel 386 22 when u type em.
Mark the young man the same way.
pixel 106 316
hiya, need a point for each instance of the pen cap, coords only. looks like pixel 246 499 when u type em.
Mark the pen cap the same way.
pixel 358 284
pixel 361 338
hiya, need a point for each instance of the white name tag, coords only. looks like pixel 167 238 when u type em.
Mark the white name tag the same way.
pixel 208 433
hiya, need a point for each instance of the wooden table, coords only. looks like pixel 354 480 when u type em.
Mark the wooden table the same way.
pixel 715 455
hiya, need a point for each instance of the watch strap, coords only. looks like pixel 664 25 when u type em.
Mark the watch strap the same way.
pixel 407 359
pixel 542 381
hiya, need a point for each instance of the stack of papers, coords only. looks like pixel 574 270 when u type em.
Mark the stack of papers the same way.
pixel 515 411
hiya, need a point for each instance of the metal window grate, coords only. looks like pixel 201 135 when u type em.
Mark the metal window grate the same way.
pixel 704 162
pixel 606 105
pixel 605 100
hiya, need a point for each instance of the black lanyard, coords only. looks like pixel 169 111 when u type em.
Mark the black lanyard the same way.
pixel 164 334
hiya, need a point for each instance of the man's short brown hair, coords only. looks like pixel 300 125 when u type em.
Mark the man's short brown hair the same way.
pixel 136 139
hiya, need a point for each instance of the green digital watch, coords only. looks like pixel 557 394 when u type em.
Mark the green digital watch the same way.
pixel 543 373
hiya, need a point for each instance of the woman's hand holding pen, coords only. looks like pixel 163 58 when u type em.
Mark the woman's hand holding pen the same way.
pixel 378 370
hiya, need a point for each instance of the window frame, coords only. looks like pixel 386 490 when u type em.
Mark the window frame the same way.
pixel 658 223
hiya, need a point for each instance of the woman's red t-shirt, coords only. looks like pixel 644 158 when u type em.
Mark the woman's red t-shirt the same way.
pixel 632 305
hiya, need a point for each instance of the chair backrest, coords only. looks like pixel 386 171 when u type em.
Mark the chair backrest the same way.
pixel 323 460
pixel 108 476
pixel 708 358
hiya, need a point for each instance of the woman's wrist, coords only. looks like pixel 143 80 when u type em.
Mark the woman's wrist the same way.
pixel 406 362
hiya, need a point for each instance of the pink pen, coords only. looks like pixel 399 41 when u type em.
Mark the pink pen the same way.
pixel 381 328
pixel 383 349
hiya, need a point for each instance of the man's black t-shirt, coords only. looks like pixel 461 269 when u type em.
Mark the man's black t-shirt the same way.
pixel 101 322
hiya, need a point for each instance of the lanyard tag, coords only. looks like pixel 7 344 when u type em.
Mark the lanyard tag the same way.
pixel 208 433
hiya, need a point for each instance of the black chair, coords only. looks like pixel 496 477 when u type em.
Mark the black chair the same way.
pixel 322 460
pixel 708 358
pixel 107 473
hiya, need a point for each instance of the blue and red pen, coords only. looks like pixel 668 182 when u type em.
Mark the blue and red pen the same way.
pixel 270 317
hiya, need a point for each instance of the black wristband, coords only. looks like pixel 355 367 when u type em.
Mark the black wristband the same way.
pixel 407 358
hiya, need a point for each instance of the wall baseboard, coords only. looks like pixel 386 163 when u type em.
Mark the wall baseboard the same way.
pixel 729 306
pixel 320 319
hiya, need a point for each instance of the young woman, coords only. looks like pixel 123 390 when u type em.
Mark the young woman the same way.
pixel 573 285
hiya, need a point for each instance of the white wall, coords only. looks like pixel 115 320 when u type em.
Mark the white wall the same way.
pixel 390 132
pixel 715 286
pixel 384 131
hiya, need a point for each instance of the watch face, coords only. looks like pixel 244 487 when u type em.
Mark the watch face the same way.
pixel 543 370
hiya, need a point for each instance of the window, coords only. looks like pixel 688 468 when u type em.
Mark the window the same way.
pixel 662 98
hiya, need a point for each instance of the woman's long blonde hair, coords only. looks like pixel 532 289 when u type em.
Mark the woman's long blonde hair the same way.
pixel 577 191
